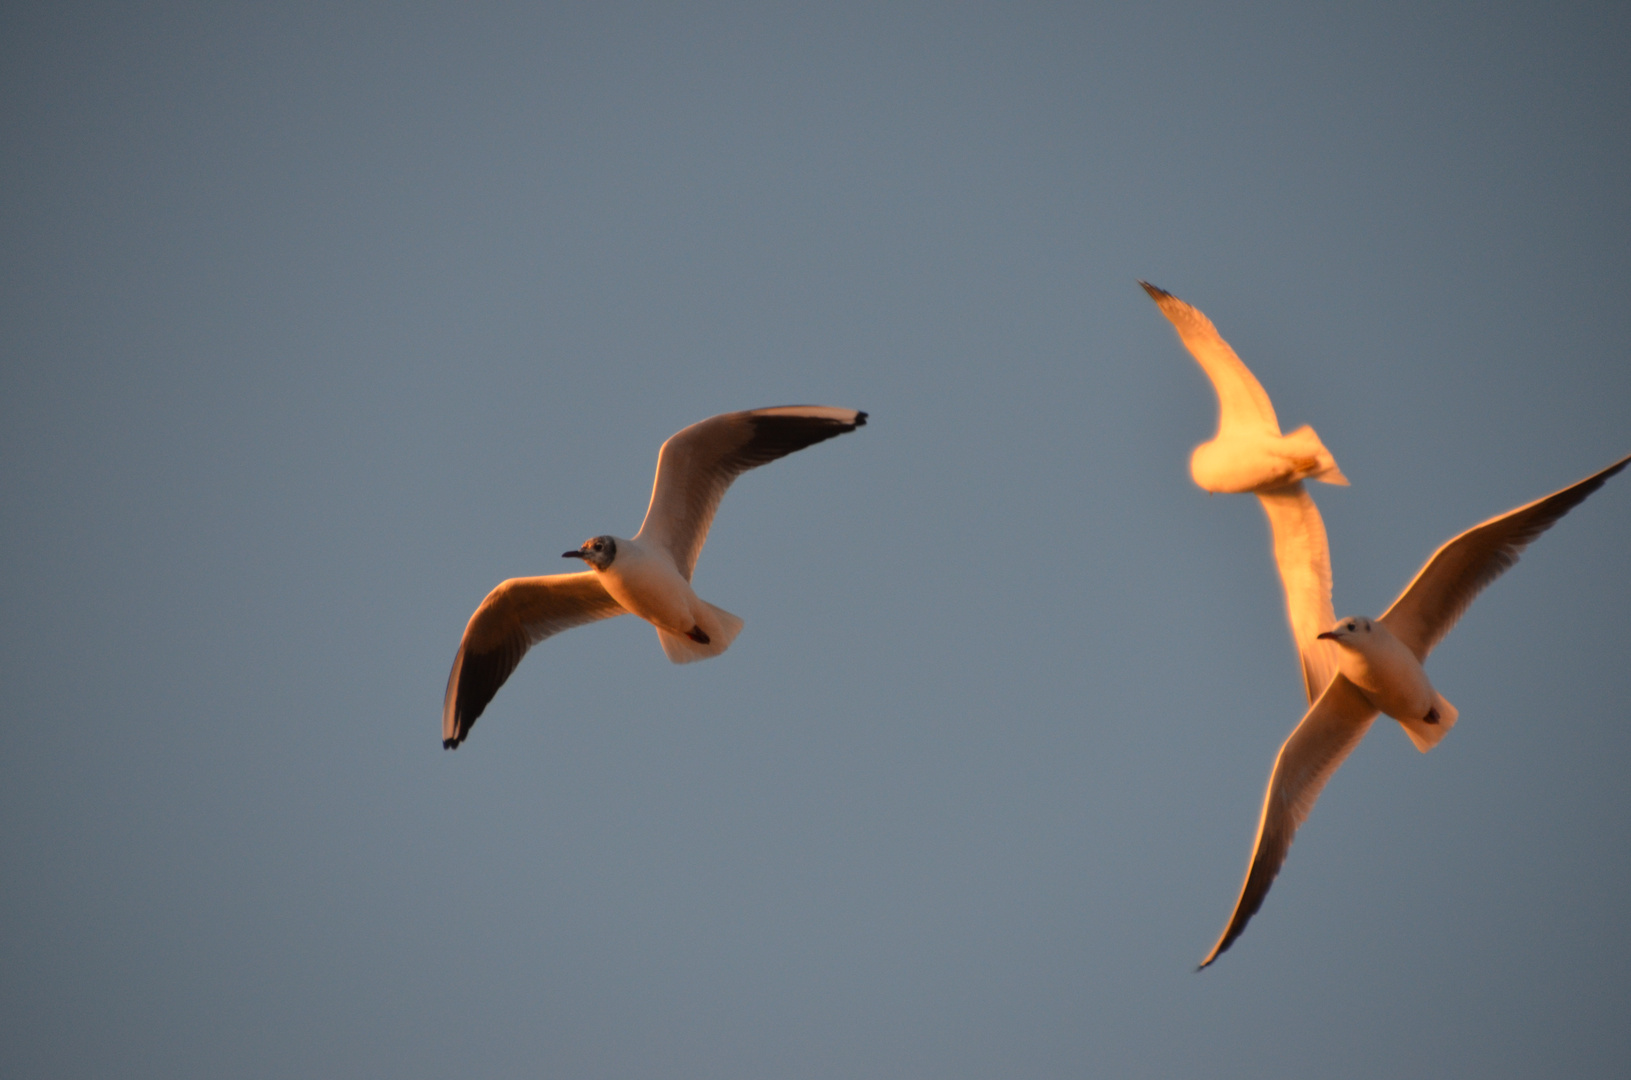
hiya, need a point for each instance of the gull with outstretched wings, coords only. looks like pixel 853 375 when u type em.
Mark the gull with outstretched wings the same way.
pixel 648 575
pixel 1380 671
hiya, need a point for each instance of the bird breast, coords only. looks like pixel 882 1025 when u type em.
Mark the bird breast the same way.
pixel 1388 673
pixel 1239 463
pixel 651 587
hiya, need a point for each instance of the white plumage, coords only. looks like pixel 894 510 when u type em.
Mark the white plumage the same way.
pixel 1380 664
pixel 648 575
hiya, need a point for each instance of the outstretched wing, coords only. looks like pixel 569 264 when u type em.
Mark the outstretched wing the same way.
pixel 696 465
pixel 517 615
pixel 1304 560
pixel 1243 406
pixel 1327 734
pixel 1459 570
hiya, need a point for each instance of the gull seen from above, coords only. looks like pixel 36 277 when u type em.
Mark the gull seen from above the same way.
pixel 649 574
pixel 1380 662
pixel 1248 454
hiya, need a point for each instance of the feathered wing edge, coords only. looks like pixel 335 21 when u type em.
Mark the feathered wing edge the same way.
pixel 1319 744
pixel 1242 401
pixel 1302 555
pixel 515 616
pixel 1462 567
pixel 697 464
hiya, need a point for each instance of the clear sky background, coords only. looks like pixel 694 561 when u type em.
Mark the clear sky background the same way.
pixel 320 320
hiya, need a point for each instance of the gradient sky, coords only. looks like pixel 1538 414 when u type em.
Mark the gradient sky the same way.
pixel 320 320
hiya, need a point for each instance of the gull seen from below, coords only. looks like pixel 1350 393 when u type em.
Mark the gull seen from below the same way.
pixel 1380 663
pixel 1248 453
pixel 648 575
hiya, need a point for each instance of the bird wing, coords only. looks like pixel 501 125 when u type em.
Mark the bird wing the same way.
pixel 1304 560
pixel 696 465
pixel 1243 405
pixel 517 615
pixel 1460 570
pixel 1327 734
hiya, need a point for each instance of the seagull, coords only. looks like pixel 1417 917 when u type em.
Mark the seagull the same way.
pixel 648 575
pixel 1380 662
pixel 1249 454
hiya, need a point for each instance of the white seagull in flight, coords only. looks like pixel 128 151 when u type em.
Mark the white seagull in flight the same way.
pixel 1249 454
pixel 649 575
pixel 1381 671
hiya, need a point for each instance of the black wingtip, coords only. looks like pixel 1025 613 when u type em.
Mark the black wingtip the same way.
pixel 1155 291
pixel 451 743
pixel 860 419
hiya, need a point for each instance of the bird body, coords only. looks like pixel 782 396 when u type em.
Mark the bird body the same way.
pixel 648 575
pixel 1237 462
pixel 646 582
pixel 1390 677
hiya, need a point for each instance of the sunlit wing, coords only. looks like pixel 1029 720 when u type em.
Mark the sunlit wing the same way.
pixel 696 465
pixel 517 615
pixel 1304 561
pixel 1327 734
pixel 1459 571
pixel 1243 406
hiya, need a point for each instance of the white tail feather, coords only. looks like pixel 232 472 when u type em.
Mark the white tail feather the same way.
pixel 1425 735
pixel 720 626
pixel 1325 467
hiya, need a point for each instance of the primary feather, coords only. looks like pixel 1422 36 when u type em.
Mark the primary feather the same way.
pixel 514 617
pixel 698 464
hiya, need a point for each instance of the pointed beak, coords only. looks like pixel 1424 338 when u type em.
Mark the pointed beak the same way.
pixel 1329 635
pixel 571 554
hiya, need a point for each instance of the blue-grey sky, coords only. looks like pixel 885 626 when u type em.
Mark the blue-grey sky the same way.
pixel 320 320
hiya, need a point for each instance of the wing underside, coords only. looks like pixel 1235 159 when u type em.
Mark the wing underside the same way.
pixel 1243 404
pixel 697 465
pixel 1319 744
pixel 517 615
pixel 1459 570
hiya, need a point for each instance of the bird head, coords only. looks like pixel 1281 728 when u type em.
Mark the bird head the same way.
pixel 597 551
pixel 1352 632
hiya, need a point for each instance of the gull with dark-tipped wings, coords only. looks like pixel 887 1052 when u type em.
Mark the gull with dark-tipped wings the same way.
pixel 1380 671
pixel 649 574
